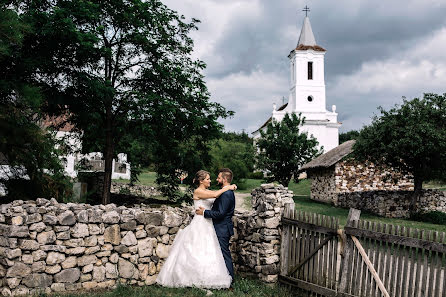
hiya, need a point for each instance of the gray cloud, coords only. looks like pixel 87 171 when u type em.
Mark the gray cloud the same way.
pixel 245 45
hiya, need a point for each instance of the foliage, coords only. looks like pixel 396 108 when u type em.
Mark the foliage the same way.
pixel 410 138
pixel 232 152
pixel 346 136
pixel 434 217
pixel 122 73
pixel 31 153
pixel 283 149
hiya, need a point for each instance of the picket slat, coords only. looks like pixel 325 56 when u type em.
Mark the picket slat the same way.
pixel 438 267
pixel 406 262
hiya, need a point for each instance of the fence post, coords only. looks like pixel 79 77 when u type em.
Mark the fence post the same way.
pixel 284 244
pixel 353 215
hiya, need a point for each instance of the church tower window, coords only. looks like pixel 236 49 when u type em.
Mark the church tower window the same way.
pixel 310 70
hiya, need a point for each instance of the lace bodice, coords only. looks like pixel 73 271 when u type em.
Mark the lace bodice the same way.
pixel 206 203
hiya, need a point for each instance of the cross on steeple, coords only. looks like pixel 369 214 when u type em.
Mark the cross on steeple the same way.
pixel 306 9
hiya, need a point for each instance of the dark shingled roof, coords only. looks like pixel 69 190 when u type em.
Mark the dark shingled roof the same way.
pixel 331 157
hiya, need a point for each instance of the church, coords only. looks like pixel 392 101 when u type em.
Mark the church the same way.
pixel 307 92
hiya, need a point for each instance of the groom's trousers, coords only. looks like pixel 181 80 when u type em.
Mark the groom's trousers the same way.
pixel 224 245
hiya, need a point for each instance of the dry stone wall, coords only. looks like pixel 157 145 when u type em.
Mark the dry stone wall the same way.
pixel 51 247
pixel 256 243
pixel 46 246
pixel 323 187
pixel 393 204
pixel 135 190
pixel 353 176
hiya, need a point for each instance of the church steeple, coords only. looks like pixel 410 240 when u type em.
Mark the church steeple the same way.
pixel 306 34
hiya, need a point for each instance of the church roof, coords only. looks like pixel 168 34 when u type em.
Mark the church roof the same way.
pixel 306 38
pixel 331 157
pixel 269 120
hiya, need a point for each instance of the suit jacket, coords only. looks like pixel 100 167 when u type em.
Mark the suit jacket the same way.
pixel 221 214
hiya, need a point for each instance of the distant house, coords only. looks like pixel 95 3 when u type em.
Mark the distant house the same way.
pixel 336 172
pixel 93 161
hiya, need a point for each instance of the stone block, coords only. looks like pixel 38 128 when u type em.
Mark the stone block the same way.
pixel 112 234
pixel 70 275
pixel 18 270
pixel 125 269
pixel 46 237
pixel 129 239
pixel 66 218
pixel 37 280
pixel 80 230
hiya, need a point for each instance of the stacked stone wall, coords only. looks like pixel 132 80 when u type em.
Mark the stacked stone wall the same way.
pixel 135 190
pixel 46 246
pixel 353 176
pixel 51 247
pixel 323 187
pixel 256 243
pixel 392 204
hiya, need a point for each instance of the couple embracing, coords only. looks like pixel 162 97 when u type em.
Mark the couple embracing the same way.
pixel 200 255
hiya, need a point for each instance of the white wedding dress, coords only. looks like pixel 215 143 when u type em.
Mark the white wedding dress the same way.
pixel 195 258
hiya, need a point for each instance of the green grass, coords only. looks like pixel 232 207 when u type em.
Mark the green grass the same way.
pixel 146 178
pixel 242 287
pixel 434 185
pixel 308 205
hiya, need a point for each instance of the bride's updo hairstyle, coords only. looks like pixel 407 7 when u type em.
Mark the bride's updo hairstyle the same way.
pixel 199 176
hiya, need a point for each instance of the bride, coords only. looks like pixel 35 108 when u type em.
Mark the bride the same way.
pixel 195 259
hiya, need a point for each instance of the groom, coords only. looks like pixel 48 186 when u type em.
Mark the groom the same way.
pixel 221 215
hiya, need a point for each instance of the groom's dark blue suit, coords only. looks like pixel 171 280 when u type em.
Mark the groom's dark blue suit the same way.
pixel 221 215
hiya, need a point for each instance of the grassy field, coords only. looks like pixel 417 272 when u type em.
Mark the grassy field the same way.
pixel 308 205
pixel 242 287
pixel 146 178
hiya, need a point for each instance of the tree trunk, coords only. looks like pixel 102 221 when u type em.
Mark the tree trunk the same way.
pixel 418 186
pixel 108 157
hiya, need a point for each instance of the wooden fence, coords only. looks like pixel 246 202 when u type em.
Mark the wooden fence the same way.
pixel 362 259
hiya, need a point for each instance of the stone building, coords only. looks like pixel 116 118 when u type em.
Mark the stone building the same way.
pixel 336 172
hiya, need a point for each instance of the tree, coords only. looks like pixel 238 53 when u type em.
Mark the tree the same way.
pixel 232 151
pixel 35 169
pixel 410 137
pixel 346 136
pixel 123 75
pixel 283 149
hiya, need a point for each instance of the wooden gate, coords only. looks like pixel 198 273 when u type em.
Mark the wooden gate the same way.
pixel 309 253
pixel 363 259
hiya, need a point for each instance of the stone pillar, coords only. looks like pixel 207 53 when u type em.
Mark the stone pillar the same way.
pixel 256 243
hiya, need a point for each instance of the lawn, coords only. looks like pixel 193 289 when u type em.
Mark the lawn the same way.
pixel 242 287
pixel 146 178
pixel 308 205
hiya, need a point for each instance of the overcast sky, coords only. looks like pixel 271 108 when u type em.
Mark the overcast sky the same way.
pixel 377 52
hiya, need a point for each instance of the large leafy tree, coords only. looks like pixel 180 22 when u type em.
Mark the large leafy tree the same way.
pixel 234 151
pixel 283 149
pixel 410 137
pixel 346 136
pixel 122 73
pixel 34 167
